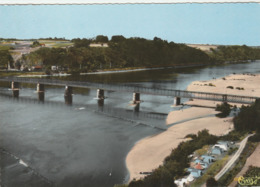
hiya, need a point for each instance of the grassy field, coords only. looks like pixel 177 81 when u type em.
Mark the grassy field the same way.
pixel 4 47
pixel 12 73
pixel 56 43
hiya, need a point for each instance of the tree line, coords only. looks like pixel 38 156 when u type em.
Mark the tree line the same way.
pixel 131 53
pixel 120 53
pixel 235 53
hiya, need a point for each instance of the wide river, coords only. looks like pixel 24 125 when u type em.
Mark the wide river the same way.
pixel 51 143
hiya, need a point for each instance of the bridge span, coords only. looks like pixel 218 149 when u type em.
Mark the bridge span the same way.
pixel 177 94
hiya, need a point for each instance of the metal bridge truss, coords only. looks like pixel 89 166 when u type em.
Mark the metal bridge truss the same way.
pixel 136 89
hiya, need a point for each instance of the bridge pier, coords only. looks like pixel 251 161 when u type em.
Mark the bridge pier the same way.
pixel 100 97
pixel 136 98
pixel 137 107
pixel 40 90
pixel 15 87
pixel 224 98
pixel 177 101
pixel 68 95
pixel 100 94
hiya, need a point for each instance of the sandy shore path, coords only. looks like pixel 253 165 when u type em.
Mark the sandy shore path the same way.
pixel 149 153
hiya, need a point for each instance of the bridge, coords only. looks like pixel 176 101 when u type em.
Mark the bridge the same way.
pixel 177 94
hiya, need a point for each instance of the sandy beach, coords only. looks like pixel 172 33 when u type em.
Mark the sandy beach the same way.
pixel 149 153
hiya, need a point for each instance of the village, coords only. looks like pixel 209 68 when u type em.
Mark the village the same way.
pixel 201 160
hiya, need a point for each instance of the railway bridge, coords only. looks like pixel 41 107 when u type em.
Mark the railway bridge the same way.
pixel 137 91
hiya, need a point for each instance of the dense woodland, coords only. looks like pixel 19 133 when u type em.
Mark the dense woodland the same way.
pixel 127 53
pixel 248 118
pixel 235 53
pixel 120 53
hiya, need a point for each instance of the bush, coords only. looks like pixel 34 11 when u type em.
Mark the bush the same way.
pixel 47 71
pixel 239 88
pixel 224 108
pixel 232 150
pixel 248 118
pixel 233 136
pixel 255 138
pixel 192 136
pixel 211 182
pixel 230 87
pixel 254 173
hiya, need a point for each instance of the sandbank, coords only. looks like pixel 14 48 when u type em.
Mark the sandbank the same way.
pixel 149 153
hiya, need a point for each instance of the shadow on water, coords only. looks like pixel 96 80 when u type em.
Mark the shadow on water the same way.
pixel 149 119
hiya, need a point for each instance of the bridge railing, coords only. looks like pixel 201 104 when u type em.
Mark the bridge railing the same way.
pixel 138 89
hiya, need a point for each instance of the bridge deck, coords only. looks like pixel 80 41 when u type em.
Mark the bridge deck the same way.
pixel 136 89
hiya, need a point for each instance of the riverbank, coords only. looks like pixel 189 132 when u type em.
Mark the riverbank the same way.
pixel 98 72
pixel 149 153
pixel 119 70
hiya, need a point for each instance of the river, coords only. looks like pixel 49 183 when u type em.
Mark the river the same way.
pixel 51 143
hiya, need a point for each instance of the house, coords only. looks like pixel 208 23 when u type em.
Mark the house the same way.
pixel 202 163
pixel 196 173
pixel 216 151
pixel 226 143
pixel 184 181
pixel 98 45
pixel 199 166
pixel 207 158
pixel 221 146
pixel 37 68
pixel 181 182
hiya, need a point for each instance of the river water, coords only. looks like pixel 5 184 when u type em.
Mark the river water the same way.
pixel 51 143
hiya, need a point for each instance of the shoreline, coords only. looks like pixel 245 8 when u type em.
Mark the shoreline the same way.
pixel 148 153
pixel 116 71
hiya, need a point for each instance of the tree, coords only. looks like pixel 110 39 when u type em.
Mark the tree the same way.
pixel 81 42
pixel 6 59
pixel 35 44
pixel 224 108
pixel 248 118
pixel 118 38
pixel 211 182
pixel 101 39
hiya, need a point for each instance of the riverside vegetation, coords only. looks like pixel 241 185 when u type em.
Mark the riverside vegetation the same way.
pixel 121 52
pixel 174 165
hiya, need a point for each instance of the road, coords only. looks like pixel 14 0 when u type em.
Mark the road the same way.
pixel 22 48
pixel 233 159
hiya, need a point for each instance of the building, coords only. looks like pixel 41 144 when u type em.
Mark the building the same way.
pixel 98 45
pixel 196 173
pixel 208 159
pixel 221 146
pixel 36 68
pixel 226 143
pixel 184 181
pixel 216 151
